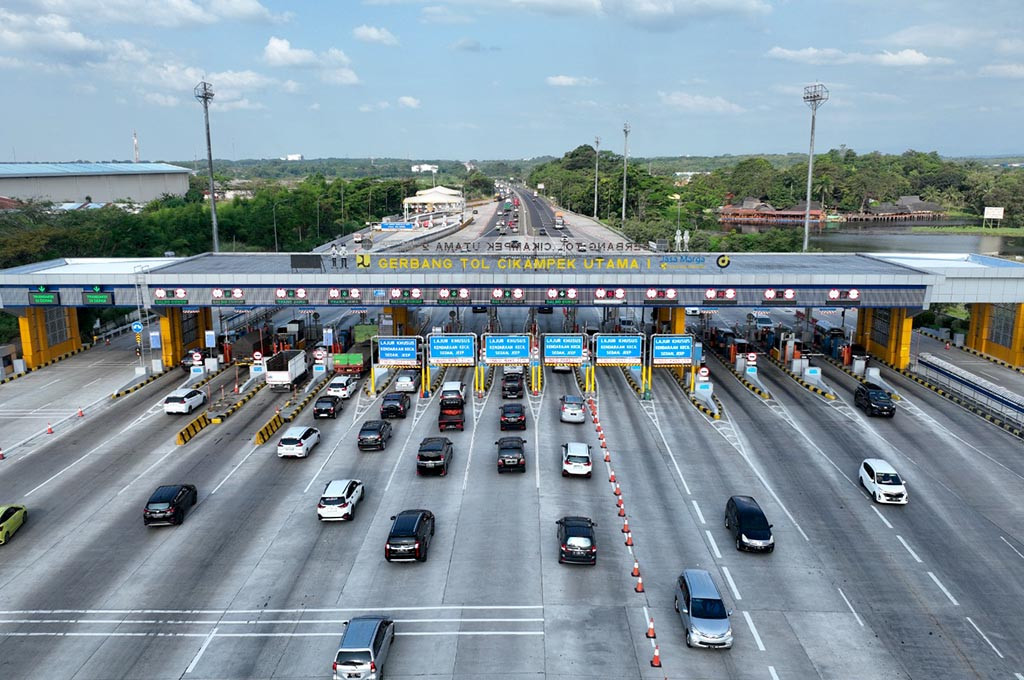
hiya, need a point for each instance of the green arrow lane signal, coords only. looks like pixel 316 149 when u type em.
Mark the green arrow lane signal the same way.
pixel 96 289
pixel 42 289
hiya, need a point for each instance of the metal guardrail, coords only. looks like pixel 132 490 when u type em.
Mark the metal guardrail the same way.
pixel 987 395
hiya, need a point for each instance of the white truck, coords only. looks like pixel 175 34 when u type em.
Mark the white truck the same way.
pixel 286 368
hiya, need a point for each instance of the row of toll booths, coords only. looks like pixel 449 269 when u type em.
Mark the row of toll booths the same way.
pixel 784 345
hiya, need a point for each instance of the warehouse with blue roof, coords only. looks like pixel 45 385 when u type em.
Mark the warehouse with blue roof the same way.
pixel 92 182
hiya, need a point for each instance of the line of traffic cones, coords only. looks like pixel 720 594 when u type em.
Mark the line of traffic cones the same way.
pixel 650 629
pixel 656 659
pixel 629 539
pixel 636 569
pixel 639 584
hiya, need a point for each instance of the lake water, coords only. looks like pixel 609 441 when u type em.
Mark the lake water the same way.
pixel 882 242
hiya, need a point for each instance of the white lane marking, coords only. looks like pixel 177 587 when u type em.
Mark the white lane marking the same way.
pixel 771 671
pixel 269 635
pixel 852 610
pixel 672 456
pixel 48 384
pixel 225 612
pixel 985 638
pixel 881 517
pixel 1011 547
pixel 909 549
pixel 648 621
pixel 144 472
pixel 714 546
pixel 202 648
pixel 732 584
pixel 753 630
pixel 330 455
pixel 943 589
pixel 92 381
pixel 247 622
pixel 700 515
pixel 1018 676
pixel 56 475
pixel 472 438
pixel 232 470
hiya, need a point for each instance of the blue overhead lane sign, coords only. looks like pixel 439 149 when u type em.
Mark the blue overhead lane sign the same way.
pixel 507 349
pixel 397 351
pixel 452 350
pixel 672 350
pixel 619 350
pixel 563 349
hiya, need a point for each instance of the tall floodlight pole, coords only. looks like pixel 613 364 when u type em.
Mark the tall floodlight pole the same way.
pixel 597 160
pixel 204 93
pixel 814 96
pixel 625 166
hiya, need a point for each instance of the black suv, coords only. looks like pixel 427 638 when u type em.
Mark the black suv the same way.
pixel 512 386
pixel 374 434
pixel 511 455
pixel 434 455
pixel 874 400
pixel 187 362
pixel 327 407
pixel 168 504
pixel 577 541
pixel 748 525
pixel 395 405
pixel 513 417
pixel 410 536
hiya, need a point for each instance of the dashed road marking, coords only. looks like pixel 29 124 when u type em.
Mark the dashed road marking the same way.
pixel 909 549
pixel 700 515
pixel 732 584
pixel 202 648
pixel 852 610
pixel 1011 547
pixel 881 517
pixel 232 470
pixel 714 546
pixel 753 630
pixel 985 638
pixel 771 671
pixel 943 589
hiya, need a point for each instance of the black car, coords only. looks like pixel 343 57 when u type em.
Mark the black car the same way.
pixel 479 309
pixel 374 434
pixel 874 400
pixel 512 386
pixel 409 539
pixel 434 455
pixel 546 310
pixel 511 454
pixel 168 504
pixel 327 407
pixel 187 362
pixel 395 405
pixel 451 419
pixel 513 417
pixel 748 525
pixel 576 540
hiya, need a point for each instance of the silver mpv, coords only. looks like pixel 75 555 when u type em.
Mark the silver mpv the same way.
pixel 702 611
pixel 364 648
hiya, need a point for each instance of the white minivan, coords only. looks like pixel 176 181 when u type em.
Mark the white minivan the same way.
pixel 883 482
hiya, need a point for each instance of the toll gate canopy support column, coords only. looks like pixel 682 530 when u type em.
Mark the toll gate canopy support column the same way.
pixel 676 326
pixel 886 333
pixel 48 332
pixel 172 348
pixel 998 330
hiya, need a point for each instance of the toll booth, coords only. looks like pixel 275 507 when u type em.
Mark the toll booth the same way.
pixel 830 340
pixel 787 347
pixel 722 337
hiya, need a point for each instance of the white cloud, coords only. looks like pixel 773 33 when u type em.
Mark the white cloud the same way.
pixel 43 34
pixel 291 87
pixel 373 34
pixel 1010 45
pixel 663 15
pixel 378 106
pixel 315 106
pixel 163 13
pixel 936 35
pixel 833 56
pixel 569 81
pixel 438 14
pixel 244 10
pixel 696 103
pixel 279 52
pixel 237 104
pixel 161 99
pixel 408 102
pixel 1003 71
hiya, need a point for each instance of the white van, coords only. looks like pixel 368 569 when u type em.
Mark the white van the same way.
pixel 883 482
pixel 453 393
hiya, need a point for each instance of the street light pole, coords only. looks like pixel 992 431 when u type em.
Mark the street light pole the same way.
pixel 597 160
pixel 814 96
pixel 276 249
pixel 625 166
pixel 204 93
pixel 317 218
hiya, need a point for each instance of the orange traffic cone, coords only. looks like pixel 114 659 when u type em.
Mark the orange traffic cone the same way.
pixel 601 436
pixel 656 659
pixel 607 454
pixel 636 569
pixel 611 476
pixel 604 445
pixel 49 429
pixel 625 526
pixel 639 584
pixel 80 414
pixel 618 491
pixel 1 454
pixel 650 629
pixel 598 428
pixel 622 511
pixel 629 539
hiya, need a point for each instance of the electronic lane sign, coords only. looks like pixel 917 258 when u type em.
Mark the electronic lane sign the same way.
pixel 397 351
pixel 41 295
pixel 619 350
pixel 451 350
pixel 95 295
pixel 671 350
pixel 563 349
pixel 507 349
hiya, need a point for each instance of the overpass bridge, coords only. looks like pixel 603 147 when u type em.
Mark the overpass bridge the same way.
pixel 888 288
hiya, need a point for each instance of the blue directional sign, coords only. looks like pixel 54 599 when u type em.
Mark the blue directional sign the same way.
pixel 397 351
pixel 672 350
pixel 619 350
pixel 563 349
pixel 452 350
pixel 137 327
pixel 507 349
pixel 397 225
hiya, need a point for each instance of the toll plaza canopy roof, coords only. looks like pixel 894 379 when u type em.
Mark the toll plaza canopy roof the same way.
pixel 741 279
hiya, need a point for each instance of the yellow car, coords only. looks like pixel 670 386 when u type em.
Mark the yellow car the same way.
pixel 11 519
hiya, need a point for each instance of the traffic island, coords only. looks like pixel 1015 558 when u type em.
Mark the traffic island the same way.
pixel 764 394
pixel 238 404
pixel 192 429
pixel 803 383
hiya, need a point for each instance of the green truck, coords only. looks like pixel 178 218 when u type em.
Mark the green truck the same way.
pixel 356 361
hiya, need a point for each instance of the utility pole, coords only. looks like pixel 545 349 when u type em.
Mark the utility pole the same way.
pixel 814 96
pixel 597 161
pixel 204 93
pixel 625 166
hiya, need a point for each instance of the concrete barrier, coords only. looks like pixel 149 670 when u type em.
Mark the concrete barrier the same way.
pixel 264 434
pixel 192 429
pixel 238 404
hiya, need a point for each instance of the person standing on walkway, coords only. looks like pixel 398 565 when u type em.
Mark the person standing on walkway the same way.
pixel 344 256
pixel 334 256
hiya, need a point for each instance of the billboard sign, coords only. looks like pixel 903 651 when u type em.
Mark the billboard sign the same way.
pixel 507 349
pixel 393 350
pixel 671 350
pixel 993 213
pixel 619 350
pixel 451 350
pixel 563 349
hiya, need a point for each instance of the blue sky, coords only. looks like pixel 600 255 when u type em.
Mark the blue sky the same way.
pixel 486 79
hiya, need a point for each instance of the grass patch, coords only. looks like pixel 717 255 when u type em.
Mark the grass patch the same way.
pixel 982 231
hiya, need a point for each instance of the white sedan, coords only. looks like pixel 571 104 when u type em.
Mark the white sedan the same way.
pixel 184 401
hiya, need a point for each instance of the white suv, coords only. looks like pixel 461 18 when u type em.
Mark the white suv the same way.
pixel 184 401
pixel 883 482
pixel 343 386
pixel 297 442
pixel 576 459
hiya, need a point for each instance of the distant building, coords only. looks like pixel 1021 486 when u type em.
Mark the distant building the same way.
pixel 424 168
pixel 92 182
pixel 293 157
pixel 755 212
